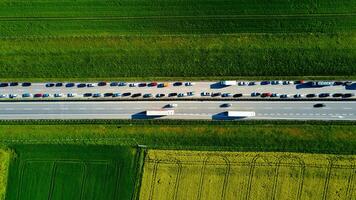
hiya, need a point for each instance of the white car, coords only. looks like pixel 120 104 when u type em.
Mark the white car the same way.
pixel 3 95
pixel 242 83
pixel 204 94
pixel 91 85
pixel 189 84
pixel 12 95
pixel 58 95
pixel 71 95
pixel 181 95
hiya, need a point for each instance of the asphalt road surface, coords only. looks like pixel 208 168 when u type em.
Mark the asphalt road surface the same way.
pixel 198 88
pixel 185 110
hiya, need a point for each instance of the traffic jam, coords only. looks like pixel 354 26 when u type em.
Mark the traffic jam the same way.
pixel 134 90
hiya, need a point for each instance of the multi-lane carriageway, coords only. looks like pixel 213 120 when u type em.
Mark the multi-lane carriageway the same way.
pixel 205 109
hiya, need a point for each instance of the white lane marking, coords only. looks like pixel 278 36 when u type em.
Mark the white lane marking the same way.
pixel 27 108
pixel 8 109
pixel 347 108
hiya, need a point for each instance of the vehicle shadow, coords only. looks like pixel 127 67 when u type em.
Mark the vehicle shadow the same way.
pixel 307 85
pixel 142 115
pixel 217 86
pixel 351 87
pixel 223 116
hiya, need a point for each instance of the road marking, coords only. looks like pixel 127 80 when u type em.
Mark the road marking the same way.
pixel 347 108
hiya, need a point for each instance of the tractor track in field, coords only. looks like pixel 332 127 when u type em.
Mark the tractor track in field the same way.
pixel 112 18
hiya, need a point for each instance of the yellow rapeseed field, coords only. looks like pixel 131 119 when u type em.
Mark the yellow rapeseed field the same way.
pixel 203 175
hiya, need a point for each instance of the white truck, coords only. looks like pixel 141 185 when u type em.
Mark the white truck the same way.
pixel 228 83
pixel 159 112
pixel 241 113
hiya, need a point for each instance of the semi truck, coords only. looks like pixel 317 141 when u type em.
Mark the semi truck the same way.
pixel 159 112
pixel 241 113
pixel 322 83
pixel 228 83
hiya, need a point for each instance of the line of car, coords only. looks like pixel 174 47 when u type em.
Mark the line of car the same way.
pixel 119 84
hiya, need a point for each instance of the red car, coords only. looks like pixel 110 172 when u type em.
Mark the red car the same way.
pixel 38 95
pixel 153 84
pixel 266 94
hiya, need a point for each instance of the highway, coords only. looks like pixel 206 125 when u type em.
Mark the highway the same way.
pixel 185 110
pixel 203 86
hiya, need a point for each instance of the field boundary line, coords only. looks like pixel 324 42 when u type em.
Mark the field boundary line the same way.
pixel 226 176
pixel 201 178
pixel 177 181
pixel 327 179
pixel 51 188
pixel 94 18
pixel 84 177
pixel 350 180
pixel 153 179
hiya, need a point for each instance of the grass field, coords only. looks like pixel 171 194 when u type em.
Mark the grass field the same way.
pixel 72 172
pixel 241 175
pixel 5 154
pixel 178 38
pixel 179 56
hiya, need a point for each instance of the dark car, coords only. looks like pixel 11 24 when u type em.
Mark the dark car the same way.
pixel 50 84
pixel 136 95
pixel 108 94
pixel 4 84
pixel 338 95
pixel 338 83
pixel 112 84
pixel 265 82
pixel 216 94
pixel 160 95
pixel 14 84
pixel 177 84
pixel 225 105
pixel 81 85
pixel 319 105
pixel 70 85
pixel 142 84
pixel 97 95
pixel 324 95
pixel 121 84
pixel 59 84
pixel 126 94
pixel 347 95
pixel 173 94
pixel 255 94
pixel 310 95
pixel 238 95
pixel 147 95
pixel 26 84
pixel 87 94
pixel 38 95
pixel 102 83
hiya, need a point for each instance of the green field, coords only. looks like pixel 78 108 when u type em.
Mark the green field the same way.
pixel 67 160
pixel 247 175
pixel 178 38
pixel 72 172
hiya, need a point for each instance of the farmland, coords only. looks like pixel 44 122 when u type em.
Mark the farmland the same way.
pixel 226 175
pixel 109 39
pixel 72 172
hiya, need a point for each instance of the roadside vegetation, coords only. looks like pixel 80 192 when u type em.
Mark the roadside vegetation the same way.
pixel 292 137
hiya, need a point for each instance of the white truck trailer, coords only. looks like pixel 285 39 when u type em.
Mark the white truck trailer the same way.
pixel 241 113
pixel 159 112
pixel 228 83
